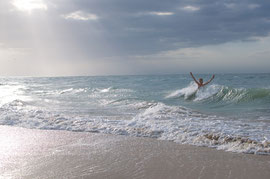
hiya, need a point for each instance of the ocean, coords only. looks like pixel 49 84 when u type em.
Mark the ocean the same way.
pixel 232 113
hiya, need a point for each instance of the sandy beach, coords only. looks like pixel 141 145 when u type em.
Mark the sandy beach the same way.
pixel 29 153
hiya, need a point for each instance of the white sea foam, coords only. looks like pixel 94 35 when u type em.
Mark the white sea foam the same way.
pixel 186 92
pixel 114 90
pixel 155 120
pixel 106 90
pixel 192 92
pixel 207 92
pixel 110 94
pixel 71 90
pixel 66 91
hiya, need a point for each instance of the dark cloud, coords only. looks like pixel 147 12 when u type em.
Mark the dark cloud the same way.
pixel 127 25
pixel 129 28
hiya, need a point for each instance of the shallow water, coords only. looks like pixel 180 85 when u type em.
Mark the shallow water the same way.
pixel 232 113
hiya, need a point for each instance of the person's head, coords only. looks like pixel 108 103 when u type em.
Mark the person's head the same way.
pixel 201 80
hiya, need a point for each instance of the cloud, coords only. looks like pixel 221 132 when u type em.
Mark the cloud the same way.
pixel 230 5
pixel 131 34
pixel 130 28
pixel 253 6
pixel 161 13
pixel 80 15
pixel 191 8
pixel 29 5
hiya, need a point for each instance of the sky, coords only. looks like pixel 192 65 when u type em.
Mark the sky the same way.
pixel 127 37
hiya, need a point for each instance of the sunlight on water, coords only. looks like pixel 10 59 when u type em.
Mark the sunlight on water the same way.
pixel 11 93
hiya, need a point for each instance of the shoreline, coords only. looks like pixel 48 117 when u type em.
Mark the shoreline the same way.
pixel 34 153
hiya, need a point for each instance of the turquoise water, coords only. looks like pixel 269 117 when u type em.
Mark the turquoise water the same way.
pixel 232 113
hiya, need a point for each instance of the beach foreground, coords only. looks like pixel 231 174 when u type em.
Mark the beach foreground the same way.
pixel 30 153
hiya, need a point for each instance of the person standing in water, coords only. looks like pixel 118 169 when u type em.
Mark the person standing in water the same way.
pixel 200 82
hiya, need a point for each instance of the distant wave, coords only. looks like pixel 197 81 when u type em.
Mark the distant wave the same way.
pixel 71 90
pixel 105 90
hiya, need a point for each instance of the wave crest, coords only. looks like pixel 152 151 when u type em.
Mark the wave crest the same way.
pixel 219 93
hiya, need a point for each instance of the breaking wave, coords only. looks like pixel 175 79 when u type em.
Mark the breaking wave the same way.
pixel 219 93
pixel 154 120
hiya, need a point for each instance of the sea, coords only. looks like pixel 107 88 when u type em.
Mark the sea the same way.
pixel 232 113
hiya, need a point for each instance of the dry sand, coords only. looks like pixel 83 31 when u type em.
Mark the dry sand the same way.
pixel 28 153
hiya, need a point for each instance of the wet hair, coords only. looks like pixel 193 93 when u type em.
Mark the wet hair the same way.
pixel 200 80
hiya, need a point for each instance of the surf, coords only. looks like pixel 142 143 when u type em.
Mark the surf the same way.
pixel 188 92
pixel 220 93
pixel 163 107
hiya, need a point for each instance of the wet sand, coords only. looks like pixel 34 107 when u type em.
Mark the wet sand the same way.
pixel 28 153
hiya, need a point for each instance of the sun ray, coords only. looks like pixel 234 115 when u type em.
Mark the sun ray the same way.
pixel 29 5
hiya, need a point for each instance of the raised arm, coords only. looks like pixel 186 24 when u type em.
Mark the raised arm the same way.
pixel 194 78
pixel 209 80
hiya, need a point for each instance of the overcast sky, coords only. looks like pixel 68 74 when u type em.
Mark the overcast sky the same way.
pixel 117 37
